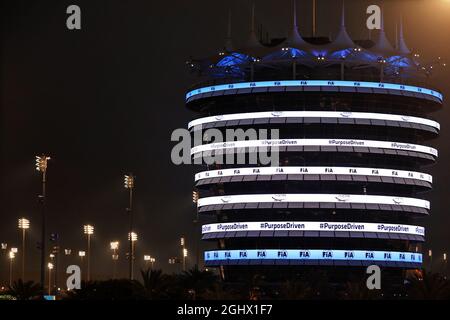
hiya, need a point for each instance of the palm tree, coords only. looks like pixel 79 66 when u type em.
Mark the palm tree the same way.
pixel 255 287
pixel 357 290
pixel 429 286
pixel 219 291
pixel 295 290
pixel 115 289
pixel 196 281
pixel 319 284
pixel 155 283
pixel 24 290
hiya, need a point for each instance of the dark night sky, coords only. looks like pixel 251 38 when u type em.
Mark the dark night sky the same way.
pixel 104 100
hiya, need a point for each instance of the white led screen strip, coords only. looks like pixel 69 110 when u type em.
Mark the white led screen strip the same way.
pixel 313 142
pixel 314 114
pixel 313 226
pixel 326 198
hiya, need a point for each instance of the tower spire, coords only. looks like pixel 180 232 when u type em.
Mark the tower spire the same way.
pixel 402 47
pixel 294 14
pixel 343 14
pixel 253 39
pixel 294 38
pixel 382 46
pixel 343 40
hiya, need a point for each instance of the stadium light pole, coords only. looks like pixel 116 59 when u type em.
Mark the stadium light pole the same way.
pixel 114 245
pixel 24 224
pixel 88 231
pixel 129 184
pixel 41 166
pixel 132 238
pixel 195 197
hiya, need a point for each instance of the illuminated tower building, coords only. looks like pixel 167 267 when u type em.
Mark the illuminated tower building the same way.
pixel 354 131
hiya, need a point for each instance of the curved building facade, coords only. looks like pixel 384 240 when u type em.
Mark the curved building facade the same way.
pixel 349 188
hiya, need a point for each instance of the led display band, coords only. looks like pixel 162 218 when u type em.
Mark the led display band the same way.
pixel 277 254
pixel 313 142
pixel 329 198
pixel 313 226
pixel 313 170
pixel 314 114
pixel 313 83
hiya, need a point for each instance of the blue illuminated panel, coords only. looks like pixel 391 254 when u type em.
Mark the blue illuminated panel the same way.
pixel 305 254
pixel 315 83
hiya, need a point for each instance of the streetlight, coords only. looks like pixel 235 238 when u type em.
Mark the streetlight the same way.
pixel 129 184
pixel 152 261
pixel 430 255
pixel 147 259
pixel 114 245
pixel 12 255
pixel 183 252
pixel 445 262
pixel 50 268
pixel 88 230
pixel 24 224
pixel 82 254
pixel 3 247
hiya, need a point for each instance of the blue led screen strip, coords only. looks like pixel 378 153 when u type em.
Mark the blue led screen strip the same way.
pixel 314 83
pixel 305 254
